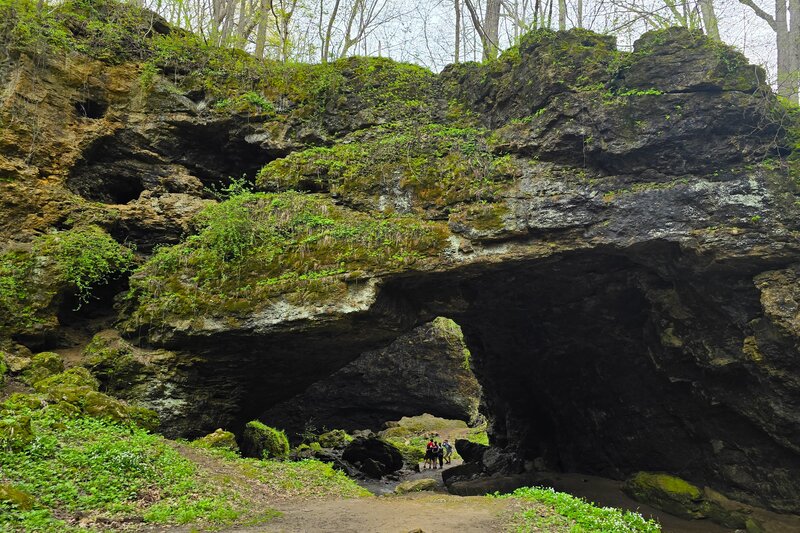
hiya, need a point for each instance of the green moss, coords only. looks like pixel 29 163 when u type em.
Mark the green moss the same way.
pixel 43 365
pixel 667 492
pixel 264 441
pixel 440 166
pixel 112 361
pixel 74 377
pixel 73 261
pixel 19 499
pixel 336 438
pixel 255 247
pixel 218 439
pixel 15 431
pixel 3 369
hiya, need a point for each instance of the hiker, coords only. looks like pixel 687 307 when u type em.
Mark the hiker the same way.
pixel 434 453
pixel 440 455
pixel 429 457
pixel 448 451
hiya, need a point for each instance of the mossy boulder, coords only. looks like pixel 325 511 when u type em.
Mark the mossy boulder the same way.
pixel 681 498
pixel 16 497
pixel 20 401
pixel 262 441
pixel 670 493
pixel 111 359
pixel 73 377
pixel 337 438
pixel 220 439
pixel 416 485
pixel 43 365
pixel 15 432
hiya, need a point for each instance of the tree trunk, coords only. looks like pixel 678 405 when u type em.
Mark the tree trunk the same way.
pixel 261 32
pixel 710 22
pixel 491 27
pixel 457 54
pixel 562 15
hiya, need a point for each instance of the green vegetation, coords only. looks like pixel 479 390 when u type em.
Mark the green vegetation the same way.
pixel 306 478
pixel 571 514
pixel 255 246
pixel 99 469
pixel 58 263
pixel 441 165
pixel 264 441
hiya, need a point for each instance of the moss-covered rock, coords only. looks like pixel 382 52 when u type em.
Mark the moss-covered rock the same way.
pixel 73 377
pixel 37 278
pixel 264 442
pixel 336 438
pixel 21 401
pixel 666 492
pixel 681 498
pixel 111 359
pixel 16 497
pixel 256 247
pixel 15 431
pixel 43 365
pixel 219 439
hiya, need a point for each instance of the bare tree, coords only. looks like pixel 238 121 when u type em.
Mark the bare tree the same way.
pixel 786 25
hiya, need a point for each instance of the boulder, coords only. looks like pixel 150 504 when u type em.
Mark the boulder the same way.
pixel 43 365
pixel 416 485
pixel 374 456
pixel 489 484
pixel 681 498
pixel 470 452
pixel 220 439
pixel 461 472
pixel 264 442
pixel 336 438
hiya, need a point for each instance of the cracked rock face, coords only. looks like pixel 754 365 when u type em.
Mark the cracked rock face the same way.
pixel 620 256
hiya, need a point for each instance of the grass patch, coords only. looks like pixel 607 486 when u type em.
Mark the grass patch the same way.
pixel 308 478
pixel 574 515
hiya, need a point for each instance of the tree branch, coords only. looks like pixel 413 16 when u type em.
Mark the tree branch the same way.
pixel 761 13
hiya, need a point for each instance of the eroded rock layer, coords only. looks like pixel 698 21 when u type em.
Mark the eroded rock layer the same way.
pixel 616 233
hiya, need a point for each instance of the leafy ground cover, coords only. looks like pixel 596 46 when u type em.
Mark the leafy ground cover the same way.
pixel 543 509
pixel 88 473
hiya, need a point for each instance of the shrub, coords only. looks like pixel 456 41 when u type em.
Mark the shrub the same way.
pixel 264 442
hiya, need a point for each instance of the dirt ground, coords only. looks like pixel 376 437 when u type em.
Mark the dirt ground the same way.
pixel 428 512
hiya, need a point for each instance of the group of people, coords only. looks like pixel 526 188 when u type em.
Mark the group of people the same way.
pixel 437 452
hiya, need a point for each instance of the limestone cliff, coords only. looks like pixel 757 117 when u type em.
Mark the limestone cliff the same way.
pixel 616 234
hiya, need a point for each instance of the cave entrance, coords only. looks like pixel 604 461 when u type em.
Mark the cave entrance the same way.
pixel 584 357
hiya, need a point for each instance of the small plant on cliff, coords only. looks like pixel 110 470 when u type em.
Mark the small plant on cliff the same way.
pixel 76 260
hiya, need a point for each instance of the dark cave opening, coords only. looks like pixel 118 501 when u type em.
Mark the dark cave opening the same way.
pixel 90 108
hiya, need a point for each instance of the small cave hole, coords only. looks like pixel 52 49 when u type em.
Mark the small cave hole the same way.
pixel 90 108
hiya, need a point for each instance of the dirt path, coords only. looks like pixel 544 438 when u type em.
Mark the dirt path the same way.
pixel 428 512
